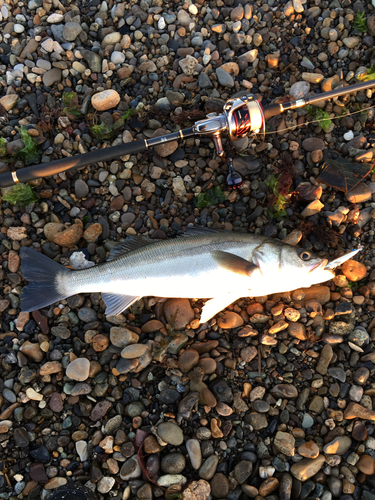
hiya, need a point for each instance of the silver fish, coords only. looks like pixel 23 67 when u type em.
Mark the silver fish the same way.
pixel 220 266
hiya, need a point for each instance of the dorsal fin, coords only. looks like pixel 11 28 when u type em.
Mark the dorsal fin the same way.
pixel 132 242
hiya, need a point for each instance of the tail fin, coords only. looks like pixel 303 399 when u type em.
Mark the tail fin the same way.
pixel 42 273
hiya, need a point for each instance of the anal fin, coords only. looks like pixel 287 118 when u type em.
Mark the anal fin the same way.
pixel 117 303
pixel 215 305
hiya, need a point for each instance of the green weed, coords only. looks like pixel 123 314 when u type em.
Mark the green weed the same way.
pixel 360 22
pixel 104 131
pixel 212 197
pixel 321 116
pixel 370 75
pixel 279 201
pixel 21 195
pixel 3 147
pixel 30 150
pixel 71 103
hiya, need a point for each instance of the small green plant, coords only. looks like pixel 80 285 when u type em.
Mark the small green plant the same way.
pixel 21 195
pixel 30 150
pixel 370 75
pixel 104 131
pixel 360 22
pixel 71 104
pixel 321 116
pixel 3 147
pixel 354 285
pixel 279 201
pixel 212 197
pixel 101 130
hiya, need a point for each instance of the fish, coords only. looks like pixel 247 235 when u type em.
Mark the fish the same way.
pixel 221 266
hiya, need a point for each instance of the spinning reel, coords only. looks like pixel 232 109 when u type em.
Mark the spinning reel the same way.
pixel 241 117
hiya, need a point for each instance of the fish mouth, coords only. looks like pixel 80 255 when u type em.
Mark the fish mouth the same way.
pixel 320 265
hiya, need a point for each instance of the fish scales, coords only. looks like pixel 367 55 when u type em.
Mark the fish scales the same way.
pixel 166 268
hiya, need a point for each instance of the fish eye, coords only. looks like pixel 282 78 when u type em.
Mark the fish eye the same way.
pixel 304 255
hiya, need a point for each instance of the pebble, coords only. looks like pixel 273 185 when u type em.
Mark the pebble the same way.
pixel 170 433
pixel 178 313
pixel 195 454
pixel 78 369
pixel 107 99
pixel 307 467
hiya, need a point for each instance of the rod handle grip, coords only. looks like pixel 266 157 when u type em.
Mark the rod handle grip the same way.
pixel 272 110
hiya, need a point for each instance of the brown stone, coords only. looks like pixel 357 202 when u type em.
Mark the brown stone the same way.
pixel 151 445
pixel 105 100
pixel 353 270
pixel 99 410
pixel 50 367
pixel 268 486
pixel 188 360
pixel 134 351
pixel 354 410
pixel 325 359
pixel 78 369
pixel 197 490
pixel 284 442
pixel 178 313
pixel 307 467
pixel 312 143
pixel 209 398
pixel 70 237
pixel 297 330
pixel 13 259
pixel 100 343
pixel 229 320
pixel 208 364
pixel 93 232
pixel 215 430
pixel 32 351
pixel 223 409
pixel 359 194
pixel 125 71
pixel 56 402
pixel 152 326
pixel 308 450
pixel 359 432
pixel 320 293
pixel 167 148
pixel 285 390
pixel 338 446
pixel 366 464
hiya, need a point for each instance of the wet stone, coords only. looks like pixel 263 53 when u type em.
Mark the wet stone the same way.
pixel 173 463
pixel 219 486
pixel 21 437
pixel 170 433
pixel 242 471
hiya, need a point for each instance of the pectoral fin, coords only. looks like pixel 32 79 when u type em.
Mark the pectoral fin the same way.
pixel 215 305
pixel 117 303
pixel 233 263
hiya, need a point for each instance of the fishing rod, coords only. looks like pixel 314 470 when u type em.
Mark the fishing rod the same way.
pixel 241 117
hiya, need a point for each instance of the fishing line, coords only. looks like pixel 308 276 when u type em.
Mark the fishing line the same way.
pixel 337 117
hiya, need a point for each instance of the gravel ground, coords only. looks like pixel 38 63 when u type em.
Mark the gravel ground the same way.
pixel 275 397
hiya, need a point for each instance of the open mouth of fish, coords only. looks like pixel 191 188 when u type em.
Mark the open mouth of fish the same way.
pixel 339 261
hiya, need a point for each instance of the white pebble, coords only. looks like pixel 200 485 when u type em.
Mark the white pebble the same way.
pixel 193 9
pixel 349 135
pixel 161 23
pixel 18 28
pixel 32 394
pixel 117 57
